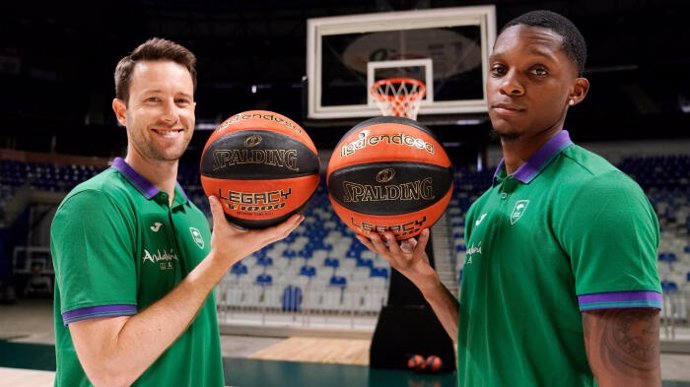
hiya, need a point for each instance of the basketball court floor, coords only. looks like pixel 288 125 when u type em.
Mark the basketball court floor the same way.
pixel 27 358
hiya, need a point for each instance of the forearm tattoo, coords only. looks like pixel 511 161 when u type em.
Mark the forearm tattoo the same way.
pixel 629 340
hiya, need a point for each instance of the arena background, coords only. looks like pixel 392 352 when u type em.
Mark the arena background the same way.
pixel 56 65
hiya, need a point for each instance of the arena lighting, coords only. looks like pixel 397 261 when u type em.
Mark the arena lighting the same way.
pixel 451 144
pixel 260 86
pixel 474 121
pixel 206 125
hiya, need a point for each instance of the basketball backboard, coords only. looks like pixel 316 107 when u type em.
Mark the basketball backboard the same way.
pixel 447 48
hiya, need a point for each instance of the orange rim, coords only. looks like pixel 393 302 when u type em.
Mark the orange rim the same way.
pixel 420 93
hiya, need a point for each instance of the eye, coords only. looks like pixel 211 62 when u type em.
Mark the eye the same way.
pixel 152 99
pixel 539 71
pixel 183 101
pixel 497 70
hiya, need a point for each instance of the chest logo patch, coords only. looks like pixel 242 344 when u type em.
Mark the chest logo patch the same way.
pixel 518 211
pixel 156 226
pixel 480 220
pixel 196 236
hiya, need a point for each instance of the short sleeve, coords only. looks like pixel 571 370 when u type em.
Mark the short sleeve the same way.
pixel 92 243
pixel 611 234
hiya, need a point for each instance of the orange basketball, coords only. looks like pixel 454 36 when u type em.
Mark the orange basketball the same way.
pixel 434 364
pixel 262 166
pixel 416 362
pixel 389 174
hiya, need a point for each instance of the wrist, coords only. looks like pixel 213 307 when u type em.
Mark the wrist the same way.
pixel 222 259
pixel 428 280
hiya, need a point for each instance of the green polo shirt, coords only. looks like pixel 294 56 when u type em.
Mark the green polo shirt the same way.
pixel 566 233
pixel 118 247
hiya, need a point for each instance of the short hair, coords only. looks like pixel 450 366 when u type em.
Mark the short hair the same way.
pixel 154 49
pixel 573 42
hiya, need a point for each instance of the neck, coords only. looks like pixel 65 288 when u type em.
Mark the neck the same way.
pixel 162 174
pixel 516 151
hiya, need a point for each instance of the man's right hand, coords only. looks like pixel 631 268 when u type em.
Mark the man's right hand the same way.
pixel 232 244
pixel 410 259
pixel 408 256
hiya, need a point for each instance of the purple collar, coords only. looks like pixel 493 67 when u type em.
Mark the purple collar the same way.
pixel 144 186
pixel 540 159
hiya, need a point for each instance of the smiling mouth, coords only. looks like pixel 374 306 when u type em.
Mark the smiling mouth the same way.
pixel 171 133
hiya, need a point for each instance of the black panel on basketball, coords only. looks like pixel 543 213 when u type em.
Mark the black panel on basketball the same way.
pixel 409 187
pixel 252 224
pixel 270 155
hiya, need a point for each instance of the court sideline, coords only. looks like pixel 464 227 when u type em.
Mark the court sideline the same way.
pixel 30 322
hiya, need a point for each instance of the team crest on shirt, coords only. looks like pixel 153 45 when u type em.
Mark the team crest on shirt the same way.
pixel 518 211
pixel 196 236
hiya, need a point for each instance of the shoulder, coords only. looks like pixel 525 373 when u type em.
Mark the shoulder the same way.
pixel 583 172
pixel 591 191
pixel 104 192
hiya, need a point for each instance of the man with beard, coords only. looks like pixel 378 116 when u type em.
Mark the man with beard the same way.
pixel 135 260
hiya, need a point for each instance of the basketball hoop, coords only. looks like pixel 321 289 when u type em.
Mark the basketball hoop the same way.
pixel 400 97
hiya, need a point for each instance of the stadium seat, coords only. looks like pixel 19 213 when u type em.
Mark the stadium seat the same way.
pixel 379 272
pixel 668 259
pixel 307 271
pixel 291 299
pixel 338 281
pixel 669 287
pixel 264 279
pixel 264 261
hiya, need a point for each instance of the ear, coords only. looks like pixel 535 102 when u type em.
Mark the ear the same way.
pixel 579 91
pixel 120 109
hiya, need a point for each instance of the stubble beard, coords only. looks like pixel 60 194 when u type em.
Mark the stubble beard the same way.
pixel 150 152
pixel 495 135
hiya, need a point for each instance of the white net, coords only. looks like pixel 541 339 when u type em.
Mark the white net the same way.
pixel 400 97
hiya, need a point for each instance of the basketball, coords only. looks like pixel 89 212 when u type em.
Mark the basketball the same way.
pixel 415 362
pixel 262 166
pixel 389 174
pixel 433 364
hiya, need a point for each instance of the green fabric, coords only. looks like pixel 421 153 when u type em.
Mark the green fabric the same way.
pixel 112 246
pixel 578 227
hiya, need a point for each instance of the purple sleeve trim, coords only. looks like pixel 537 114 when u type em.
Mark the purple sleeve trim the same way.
pixel 613 300
pixel 97 312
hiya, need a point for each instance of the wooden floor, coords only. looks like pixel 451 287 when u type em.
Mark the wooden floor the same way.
pixel 312 361
pixel 29 358
pixel 15 377
pixel 318 350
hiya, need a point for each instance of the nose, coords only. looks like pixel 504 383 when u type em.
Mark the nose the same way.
pixel 169 112
pixel 511 85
